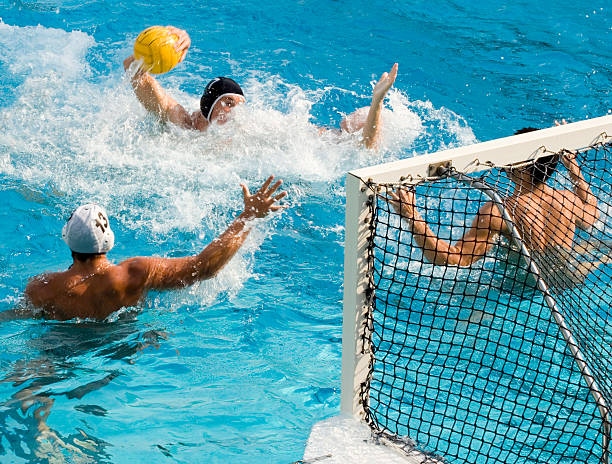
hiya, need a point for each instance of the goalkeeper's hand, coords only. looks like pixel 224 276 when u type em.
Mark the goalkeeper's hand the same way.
pixel 402 201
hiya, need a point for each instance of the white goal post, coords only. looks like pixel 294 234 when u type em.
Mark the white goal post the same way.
pixel 504 151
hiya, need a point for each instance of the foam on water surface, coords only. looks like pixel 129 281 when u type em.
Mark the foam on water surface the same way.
pixel 90 140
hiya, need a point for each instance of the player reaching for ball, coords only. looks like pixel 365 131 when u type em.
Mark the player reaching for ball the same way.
pixel 222 94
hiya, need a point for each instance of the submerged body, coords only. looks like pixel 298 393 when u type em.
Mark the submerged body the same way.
pixel 94 288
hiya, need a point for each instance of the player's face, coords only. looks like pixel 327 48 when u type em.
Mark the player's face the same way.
pixel 224 106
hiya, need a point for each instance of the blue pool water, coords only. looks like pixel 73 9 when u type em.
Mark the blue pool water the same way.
pixel 237 369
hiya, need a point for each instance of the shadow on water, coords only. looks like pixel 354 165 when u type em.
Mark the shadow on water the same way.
pixel 54 365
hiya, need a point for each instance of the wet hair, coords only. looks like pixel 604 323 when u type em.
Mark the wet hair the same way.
pixel 85 256
pixel 524 130
pixel 542 168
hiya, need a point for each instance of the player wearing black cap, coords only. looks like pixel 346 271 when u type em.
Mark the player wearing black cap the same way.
pixel 222 94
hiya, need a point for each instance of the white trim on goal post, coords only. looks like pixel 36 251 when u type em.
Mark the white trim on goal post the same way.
pixel 508 150
pixel 355 363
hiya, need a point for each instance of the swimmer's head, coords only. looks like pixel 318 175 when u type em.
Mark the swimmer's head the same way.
pixel 88 231
pixel 542 168
pixel 220 96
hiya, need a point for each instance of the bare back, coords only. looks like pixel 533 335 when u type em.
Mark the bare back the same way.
pixel 545 217
pixel 94 293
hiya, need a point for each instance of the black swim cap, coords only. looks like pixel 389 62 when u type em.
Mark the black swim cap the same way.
pixel 217 88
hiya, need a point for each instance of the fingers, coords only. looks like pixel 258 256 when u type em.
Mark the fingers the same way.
pixel 569 161
pixel 385 82
pixel 392 198
pixel 406 196
pixel 569 155
pixel 401 199
pixel 280 196
pixel 175 31
pixel 128 62
pixel 274 187
pixel 263 202
pixel 270 200
pixel 183 41
pixel 245 191
pixel 264 188
pixel 266 184
pixel 393 73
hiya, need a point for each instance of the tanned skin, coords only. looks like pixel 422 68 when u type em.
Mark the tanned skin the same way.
pixel 155 100
pixel 96 288
pixel 373 122
pixel 545 218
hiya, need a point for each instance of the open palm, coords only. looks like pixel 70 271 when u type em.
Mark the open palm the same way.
pixel 384 83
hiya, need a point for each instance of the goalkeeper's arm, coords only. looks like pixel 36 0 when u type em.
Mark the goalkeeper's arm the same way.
pixel 474 244
pixel 585 204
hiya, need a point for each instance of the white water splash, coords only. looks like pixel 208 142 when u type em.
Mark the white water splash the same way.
pixel 91 141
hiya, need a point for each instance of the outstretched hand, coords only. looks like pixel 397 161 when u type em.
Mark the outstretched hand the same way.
pixel 384 83
pixel 183 43
pixel 403 202
pixel 263 201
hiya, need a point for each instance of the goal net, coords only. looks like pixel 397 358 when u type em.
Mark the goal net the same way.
pixel 482 307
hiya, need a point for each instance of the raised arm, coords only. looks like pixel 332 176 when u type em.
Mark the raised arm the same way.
pixel 585 204
pixel 151 94
pixel 371 129
pixel 473 246
pixel 166 273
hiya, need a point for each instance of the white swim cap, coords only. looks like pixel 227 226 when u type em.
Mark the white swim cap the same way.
pixel 88 230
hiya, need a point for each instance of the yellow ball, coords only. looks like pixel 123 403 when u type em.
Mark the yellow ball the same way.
pixel 155 47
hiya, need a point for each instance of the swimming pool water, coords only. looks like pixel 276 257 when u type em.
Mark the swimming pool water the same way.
pixel 239 368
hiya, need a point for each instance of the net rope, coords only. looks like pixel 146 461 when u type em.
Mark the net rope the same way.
pixel 466 358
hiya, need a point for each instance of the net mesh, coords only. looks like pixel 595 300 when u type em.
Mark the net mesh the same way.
pixel 467 360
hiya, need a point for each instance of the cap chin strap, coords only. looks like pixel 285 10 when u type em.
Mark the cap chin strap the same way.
pixel 217 100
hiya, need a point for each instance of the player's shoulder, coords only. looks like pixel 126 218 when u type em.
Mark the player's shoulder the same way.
pixel 44 280
pixel 40 285
pixel 567 198
pixel 137 265
pixel 134 272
